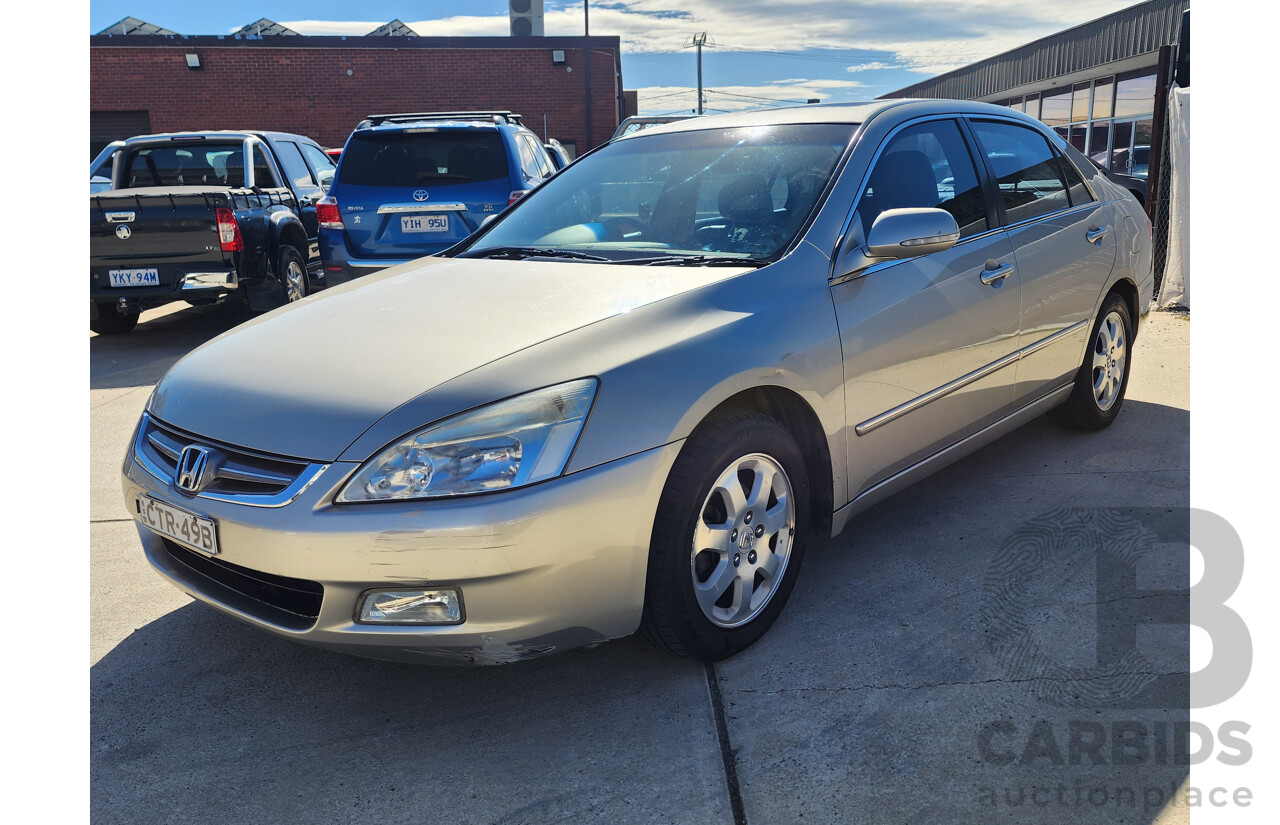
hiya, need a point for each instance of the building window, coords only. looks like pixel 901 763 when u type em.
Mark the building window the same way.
pixel 1080 102
pixel 1103 96
pixel 1055 107
pixel 1135 93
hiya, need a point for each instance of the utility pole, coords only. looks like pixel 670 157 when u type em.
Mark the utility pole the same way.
pixel 586 18
pixel 699 40
pixel 586 51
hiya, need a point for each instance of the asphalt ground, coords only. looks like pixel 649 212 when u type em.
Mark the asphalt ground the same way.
pixel 988 646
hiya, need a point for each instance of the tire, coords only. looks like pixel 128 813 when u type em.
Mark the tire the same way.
pixel 111 321
pixel 1100 384
pixel 293 275
pixel 698 602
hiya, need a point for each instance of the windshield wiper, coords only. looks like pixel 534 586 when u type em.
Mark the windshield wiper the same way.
pixel 519 253
pixel 700 260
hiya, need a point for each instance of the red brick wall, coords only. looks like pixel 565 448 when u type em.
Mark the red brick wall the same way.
pixel 308 90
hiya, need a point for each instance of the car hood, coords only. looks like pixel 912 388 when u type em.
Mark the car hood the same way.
pixel 306 380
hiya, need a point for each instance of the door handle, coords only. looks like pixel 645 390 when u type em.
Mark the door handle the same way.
pixel 1095 236
pixel 994 274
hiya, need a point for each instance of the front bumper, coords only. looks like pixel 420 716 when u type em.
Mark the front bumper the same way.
pixel 549 567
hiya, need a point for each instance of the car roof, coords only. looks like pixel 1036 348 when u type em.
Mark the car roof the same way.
pixel 859 112
pixel 235 134
pixel 441 120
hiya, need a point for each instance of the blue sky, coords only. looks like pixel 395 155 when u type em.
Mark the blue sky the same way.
pixel 764 50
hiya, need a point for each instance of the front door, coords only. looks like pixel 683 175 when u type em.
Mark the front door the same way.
pixel 929 342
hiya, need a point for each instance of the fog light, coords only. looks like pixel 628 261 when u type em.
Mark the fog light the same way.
pixel 440 606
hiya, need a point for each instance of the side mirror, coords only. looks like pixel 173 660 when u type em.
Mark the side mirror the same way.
pixel 901 233
pixel 906 233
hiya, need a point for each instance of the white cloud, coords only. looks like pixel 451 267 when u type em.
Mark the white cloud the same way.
pixel 922 35
pixel 653 100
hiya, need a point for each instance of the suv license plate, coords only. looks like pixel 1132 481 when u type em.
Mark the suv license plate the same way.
pixel 178 524
pixel 134 277
pixel 424 223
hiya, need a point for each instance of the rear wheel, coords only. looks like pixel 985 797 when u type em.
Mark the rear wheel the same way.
pixel 293 274
pixel 1104 376
pixel 111 321
pixel 727 540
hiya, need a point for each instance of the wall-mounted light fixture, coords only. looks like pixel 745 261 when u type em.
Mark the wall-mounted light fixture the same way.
pixel 557 57
pixel 193 61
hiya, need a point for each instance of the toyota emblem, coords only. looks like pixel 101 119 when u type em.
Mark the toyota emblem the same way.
pixel 123 232
pixel 420 195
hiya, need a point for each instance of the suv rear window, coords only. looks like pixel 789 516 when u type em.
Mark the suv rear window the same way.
pixel 419 159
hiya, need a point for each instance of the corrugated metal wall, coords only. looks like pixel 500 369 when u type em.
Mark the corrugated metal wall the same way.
pixel 1127 33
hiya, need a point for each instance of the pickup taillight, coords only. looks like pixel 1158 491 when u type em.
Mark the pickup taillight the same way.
pixel 328 215
pixel 229 231
pixel 516 194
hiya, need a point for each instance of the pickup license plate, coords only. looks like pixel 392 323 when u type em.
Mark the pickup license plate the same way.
pixel 134 277
pixel 178 524
pixel 424 223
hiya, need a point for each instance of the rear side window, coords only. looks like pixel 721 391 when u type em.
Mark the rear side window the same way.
pixel 322 163
pixel 1075 182
pixel 410 158
pixel 1026 170
pixel 186 164
pixel 294 166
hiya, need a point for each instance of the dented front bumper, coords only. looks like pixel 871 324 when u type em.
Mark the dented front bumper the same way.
pixel 548 567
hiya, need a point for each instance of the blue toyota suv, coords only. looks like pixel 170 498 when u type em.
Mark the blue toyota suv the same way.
pixel 410 185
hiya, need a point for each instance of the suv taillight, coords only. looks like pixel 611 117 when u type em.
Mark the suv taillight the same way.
pixel 516 195
pixel 328 215
pixel 229 231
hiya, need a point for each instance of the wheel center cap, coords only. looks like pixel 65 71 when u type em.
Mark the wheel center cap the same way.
pixel 746 541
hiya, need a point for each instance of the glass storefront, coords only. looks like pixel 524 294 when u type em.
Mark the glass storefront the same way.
pixel 1108 118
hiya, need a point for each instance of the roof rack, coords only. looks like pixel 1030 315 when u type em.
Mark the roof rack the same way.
pixel 493 117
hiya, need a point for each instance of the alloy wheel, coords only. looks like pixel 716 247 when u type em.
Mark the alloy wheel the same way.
pixel 742 540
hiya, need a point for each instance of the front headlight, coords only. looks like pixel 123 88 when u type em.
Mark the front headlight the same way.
pixel 504 445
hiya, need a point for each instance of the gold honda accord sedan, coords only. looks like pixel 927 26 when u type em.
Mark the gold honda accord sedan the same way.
pixel 625 402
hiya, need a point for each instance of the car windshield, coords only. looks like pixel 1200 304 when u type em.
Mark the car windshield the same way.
pixel 710 195
pixel 415 157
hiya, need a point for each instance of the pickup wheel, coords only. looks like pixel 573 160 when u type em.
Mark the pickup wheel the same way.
pixel 293 274
pixel 111 321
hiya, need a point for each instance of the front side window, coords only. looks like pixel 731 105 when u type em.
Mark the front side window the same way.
pixel 926 166
pixel 742 193
pixel 1027 171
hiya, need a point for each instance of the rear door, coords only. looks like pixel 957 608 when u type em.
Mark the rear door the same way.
pixel 1064 243
pixel 419 190
pixel 308 189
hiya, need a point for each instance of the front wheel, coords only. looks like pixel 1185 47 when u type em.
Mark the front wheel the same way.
pixel 1104 376
pixel 727 540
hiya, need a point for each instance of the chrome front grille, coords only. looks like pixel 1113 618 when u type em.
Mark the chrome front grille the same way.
pixel 227 473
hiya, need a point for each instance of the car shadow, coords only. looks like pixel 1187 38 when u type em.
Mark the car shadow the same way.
pixel 163 336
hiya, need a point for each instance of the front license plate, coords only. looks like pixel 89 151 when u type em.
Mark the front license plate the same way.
pixel 178 524
pixel 134 277
pixel 424 223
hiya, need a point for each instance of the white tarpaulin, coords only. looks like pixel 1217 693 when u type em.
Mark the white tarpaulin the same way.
pixel 1175 288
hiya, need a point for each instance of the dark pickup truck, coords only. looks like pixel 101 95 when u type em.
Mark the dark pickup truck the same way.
pixel 205 216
